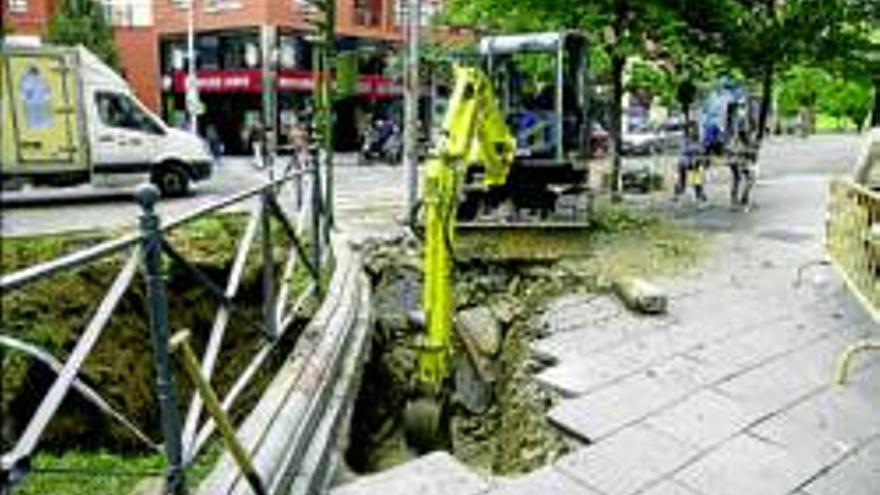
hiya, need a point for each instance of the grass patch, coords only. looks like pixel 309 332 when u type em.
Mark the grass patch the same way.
pixel 88 473
pixel 105 473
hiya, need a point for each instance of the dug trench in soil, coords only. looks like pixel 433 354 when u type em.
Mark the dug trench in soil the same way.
pixel 512 436
pixel 53 313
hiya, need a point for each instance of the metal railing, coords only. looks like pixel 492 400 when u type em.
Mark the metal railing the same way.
pixel 853 240
pixel 148 252
pixel 853 243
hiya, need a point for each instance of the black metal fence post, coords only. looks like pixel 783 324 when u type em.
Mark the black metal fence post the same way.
pixel 157 304
pixel 317 205
pixel 269 303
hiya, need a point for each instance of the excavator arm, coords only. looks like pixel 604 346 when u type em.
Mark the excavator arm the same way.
pixel 474 135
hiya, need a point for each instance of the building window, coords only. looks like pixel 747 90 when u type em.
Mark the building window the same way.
pixel 401 12
pixel 221 5
pixel 294 53
pixel 128 13
pixel 18 6
pixel 367 13
pixel 208 52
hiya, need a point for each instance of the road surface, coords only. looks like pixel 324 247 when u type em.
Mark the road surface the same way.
pixel 366 195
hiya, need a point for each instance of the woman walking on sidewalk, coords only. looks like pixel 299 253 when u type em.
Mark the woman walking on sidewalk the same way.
pixel 741 159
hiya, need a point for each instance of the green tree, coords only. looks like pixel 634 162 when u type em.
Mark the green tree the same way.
pixel 847 99
pixel 82 22
pixel 799 90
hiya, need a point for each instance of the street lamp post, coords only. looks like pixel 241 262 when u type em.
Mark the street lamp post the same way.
pixel 411 109
pixel 192 86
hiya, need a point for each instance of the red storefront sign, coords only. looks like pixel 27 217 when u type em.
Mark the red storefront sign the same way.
pixel 251 81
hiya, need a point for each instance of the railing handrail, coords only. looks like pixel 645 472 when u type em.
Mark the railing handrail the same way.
pixel 144 250
pixel 34 273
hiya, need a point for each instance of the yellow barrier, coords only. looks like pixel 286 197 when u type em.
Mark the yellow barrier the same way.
pixel 853 240
pixel 853 243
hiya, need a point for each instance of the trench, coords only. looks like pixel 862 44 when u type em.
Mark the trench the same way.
pixel 510 436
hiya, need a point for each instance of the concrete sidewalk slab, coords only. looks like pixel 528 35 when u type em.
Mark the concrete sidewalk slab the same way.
pixel 627 462
pixel 434 474
pixel 548 480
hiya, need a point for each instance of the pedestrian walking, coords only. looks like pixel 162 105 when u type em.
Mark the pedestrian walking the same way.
pixel 742 158
pixel 688 165
pixel 214 142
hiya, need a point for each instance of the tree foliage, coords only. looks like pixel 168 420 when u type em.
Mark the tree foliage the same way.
pixel 82 22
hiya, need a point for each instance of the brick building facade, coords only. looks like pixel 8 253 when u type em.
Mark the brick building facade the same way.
pixel 231 41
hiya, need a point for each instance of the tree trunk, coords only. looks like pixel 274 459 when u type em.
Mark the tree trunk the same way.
pixel 875 115
pixel 617 65
pixel 766 99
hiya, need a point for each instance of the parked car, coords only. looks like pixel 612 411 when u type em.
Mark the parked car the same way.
pixel 649 140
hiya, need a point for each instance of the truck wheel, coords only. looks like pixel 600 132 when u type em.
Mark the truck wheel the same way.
pixel 172 181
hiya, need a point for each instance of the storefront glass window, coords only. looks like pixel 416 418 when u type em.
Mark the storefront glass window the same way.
pixel 208 56
pixel 294 52
pixel 233 52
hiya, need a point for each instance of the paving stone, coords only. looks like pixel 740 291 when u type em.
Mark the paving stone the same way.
pixel 704 419
pixel 607 410
pixel 547 480
pixel 434 474
pixel 575 345
pixel 746 465
pixel 858 474
pixel 670 487
pixel 770 387
pixel 727 358
pixel 649 349
pixel 628 461
pixel 825 427
pixel 572 378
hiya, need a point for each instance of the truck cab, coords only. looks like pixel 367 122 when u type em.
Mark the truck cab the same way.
pixel 71 119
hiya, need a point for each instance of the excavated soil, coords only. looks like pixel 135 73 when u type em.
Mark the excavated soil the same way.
pixel 512 436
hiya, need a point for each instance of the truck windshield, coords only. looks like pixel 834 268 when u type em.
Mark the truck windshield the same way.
pixel 118 110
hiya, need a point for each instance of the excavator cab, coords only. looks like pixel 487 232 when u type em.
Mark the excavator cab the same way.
pixel 541 84
pixel 541 81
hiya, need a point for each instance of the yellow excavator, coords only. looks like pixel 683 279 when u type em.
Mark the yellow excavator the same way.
pixel 503 171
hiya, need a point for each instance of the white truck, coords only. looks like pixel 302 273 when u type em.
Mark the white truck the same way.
pixel 67 119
